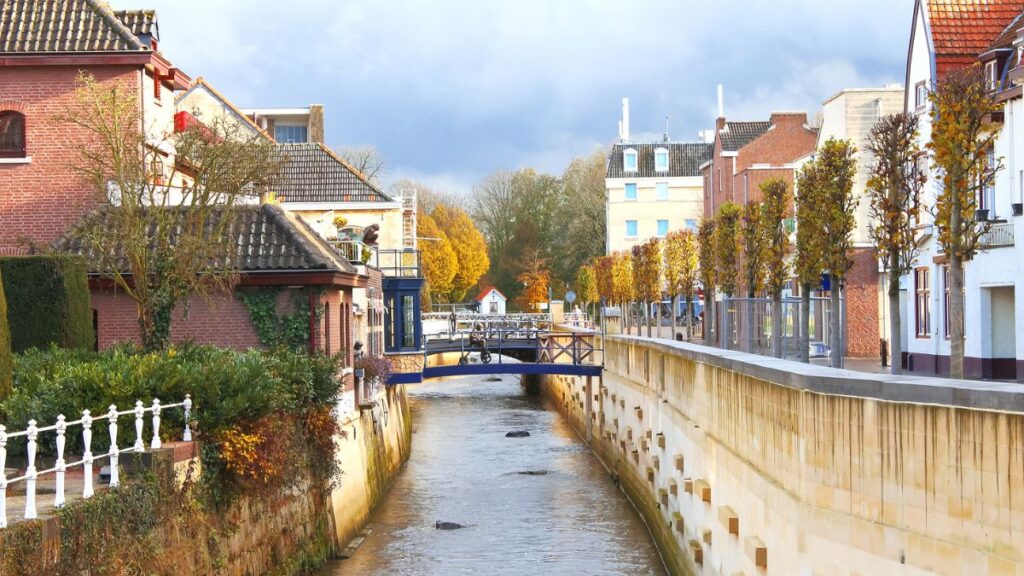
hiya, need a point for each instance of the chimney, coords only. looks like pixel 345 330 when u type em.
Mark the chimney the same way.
pixel 796 118
pixel 316 123
pixel 624 123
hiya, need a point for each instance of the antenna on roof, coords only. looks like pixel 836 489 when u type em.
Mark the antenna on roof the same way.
pixel 667 118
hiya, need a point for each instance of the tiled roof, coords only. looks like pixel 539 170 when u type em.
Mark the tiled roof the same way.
pixel 263 239
pixel 736 135
pixel 684 159
pixel 314 173
pixel 140 22
pixel 487 290
pixel 963 29
pixel 1009 34
pixel 49 26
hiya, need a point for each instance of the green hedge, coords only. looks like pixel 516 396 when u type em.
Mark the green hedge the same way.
pixel 5 346
pixel 47 301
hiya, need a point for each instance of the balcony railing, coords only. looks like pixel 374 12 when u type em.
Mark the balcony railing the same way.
pixel 399 263
pixel 354 251
pixel 998 235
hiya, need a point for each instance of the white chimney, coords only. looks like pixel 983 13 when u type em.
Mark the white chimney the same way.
pixel 624 124
pixel 721 102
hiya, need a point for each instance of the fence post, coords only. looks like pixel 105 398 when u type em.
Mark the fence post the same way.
pixel 115 478
pixel 139 411
pixel 61 466
pixel 3 476
pixel 30 473
pixel 87 457
pixel 187 436
pixel 156 444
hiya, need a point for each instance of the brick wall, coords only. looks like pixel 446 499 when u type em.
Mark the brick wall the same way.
pixel 862 304
pixel 41 199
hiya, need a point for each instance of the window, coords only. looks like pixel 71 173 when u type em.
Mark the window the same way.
pixel 401 329
pixel 12 134
pixel 290 134
pixel 629 160
pixel 631 191
pixel 662 190
pixel 691 225
pixel 945 303
pixel 987 194
pixel 921 95
pixel 661 160
pixel 327 328
pixel 992 74
pixel 922 309
pixel 630 228
pixel 662 228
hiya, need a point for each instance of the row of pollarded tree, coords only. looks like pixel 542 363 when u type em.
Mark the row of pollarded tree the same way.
pixel 746 249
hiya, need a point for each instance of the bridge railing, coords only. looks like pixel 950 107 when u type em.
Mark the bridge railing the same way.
pixel 548 347
pixel 60 430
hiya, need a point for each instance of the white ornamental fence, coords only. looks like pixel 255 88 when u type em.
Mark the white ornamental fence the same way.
pixel 60 467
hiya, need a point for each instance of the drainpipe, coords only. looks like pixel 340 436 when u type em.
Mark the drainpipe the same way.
pixel 312 322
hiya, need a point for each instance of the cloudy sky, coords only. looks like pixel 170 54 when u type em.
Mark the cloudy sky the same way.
pixel 452 90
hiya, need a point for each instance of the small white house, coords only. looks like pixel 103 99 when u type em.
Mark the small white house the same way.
pixel 491 301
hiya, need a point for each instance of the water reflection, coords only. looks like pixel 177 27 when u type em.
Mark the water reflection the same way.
pixel 571 520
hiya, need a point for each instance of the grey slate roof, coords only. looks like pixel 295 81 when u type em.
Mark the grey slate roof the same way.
pixel 54 26
pixel 736 135
pixel 684 159
pixel 263 238
pixel 314 173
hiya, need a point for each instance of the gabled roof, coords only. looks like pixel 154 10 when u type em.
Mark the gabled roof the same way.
pixel 261 239
pixel 200 83
pixel 684 159
pixel 962 29
pixel 487 290
pixel 1009 35
pixel 736 135
pixel 61 26
pixel 314 173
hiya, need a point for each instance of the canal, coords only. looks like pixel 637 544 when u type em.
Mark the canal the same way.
pixel 565 517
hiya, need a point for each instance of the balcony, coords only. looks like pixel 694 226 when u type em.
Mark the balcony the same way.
pixel 998 235
pixel 393 263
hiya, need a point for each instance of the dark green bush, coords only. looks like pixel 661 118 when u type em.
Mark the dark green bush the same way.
pixel 5 346
pixel 230 390
pixel 47 301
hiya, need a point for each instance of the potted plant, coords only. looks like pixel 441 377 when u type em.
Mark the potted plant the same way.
pixel 981 215
pixel 375 369
pixel 1018 208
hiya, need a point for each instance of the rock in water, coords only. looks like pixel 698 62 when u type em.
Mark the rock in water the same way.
pixel 447 525
pixel 533 472
pixel 517 434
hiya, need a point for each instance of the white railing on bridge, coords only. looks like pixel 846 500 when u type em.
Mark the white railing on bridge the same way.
pixel 61 466
pixel 439 325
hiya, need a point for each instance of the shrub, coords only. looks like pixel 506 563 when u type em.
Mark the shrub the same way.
pixel 48 302
pixel 271 403
pixel 5 346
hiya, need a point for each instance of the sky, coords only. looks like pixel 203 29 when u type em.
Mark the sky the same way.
pixel 449 91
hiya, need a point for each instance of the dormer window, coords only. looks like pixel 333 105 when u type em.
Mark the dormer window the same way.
pixel 12 134
pixel 661 160
pixel 629 160
pixel 992 74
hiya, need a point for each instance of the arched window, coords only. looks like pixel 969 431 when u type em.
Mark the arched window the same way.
pixel 12 134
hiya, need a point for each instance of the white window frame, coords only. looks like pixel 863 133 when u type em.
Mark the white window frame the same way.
pixel 992 73
pixel 625 191
pixel 630 153
pixel 659 188
pixel 636 231
pixel 661 153
pixel 658 228
pixel 921 95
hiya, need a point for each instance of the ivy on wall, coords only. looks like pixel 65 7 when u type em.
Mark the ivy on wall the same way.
pixel 277 330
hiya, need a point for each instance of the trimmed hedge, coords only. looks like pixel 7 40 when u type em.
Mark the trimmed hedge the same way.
pixel 5 347
pixel 47 302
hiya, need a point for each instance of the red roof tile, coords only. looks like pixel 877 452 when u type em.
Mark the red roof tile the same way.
pixel 963 29
pixel 487 290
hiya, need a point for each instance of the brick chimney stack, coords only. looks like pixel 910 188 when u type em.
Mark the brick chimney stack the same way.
pixel 316 123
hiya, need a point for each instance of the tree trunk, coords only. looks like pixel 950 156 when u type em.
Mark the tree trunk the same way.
pixel 675 323
pixel 155 325
pixel 956 317
pixel 647 317
pixel 835 335
pixel 804 347
pixel 689 321
pixel 750 323
pixel 709 319
pixel 895 331
pixel 777 340
pixel 726 332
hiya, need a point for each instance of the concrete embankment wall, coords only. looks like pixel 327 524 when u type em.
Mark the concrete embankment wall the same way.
pixel 376 445
pixel 749 465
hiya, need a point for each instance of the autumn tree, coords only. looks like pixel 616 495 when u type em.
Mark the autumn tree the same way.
pixel 837 163
pixel 810 260
pixel 469 246
pixel 708 274
pixel 535 289
pixel 894 192
pixel 603 279
pixel 622 283
pixel 586 286
pixel 161 236
pixel 580 217
pixel 727 244
pixel 774 246
pixel 751 238
pixel 439 260
pixel 681 272
pixel 647 267
pixel 963 136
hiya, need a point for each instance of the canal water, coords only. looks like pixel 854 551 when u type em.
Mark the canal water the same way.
pixel 567 518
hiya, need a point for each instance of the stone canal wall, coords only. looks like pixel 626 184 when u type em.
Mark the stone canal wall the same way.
pixel 749 465
pixel 376 445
